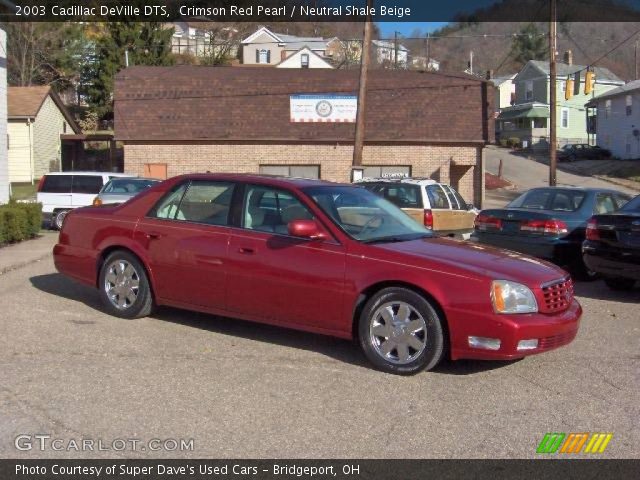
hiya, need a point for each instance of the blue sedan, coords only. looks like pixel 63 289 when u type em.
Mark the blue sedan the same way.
pixel 548 223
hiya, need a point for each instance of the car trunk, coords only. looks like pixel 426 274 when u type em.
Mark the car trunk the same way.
pixel 619 230
pixel 529 223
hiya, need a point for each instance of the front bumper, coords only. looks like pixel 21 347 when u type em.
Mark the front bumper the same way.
pixel 551 331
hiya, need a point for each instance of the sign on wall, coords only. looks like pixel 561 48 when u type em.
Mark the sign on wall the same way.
pixel 323 108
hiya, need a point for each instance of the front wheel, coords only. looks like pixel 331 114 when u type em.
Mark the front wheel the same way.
pixel 620 284
pixel 124 286
pixel 400 332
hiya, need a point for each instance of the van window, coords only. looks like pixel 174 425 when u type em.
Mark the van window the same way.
pixel 87 184
pixel 437 197
pixel 56 184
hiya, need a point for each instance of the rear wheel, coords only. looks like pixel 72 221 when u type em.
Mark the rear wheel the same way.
pixel 124 286
pixel 620 284
pixel 400 332
pixel 58 218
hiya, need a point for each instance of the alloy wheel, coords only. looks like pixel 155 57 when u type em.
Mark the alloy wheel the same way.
pixel 121 284
pixel 398 332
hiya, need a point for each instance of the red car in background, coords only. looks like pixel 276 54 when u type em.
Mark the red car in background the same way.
pixel 322 257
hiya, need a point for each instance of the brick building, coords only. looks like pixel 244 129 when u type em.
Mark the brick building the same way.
pixel 175 120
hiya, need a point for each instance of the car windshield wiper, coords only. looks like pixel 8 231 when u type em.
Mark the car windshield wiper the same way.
pixel 393 239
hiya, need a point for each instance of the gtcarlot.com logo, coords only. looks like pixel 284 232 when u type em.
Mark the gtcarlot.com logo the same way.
pixel 44 442
pixel 574 443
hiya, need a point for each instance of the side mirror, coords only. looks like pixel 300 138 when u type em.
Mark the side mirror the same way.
pixel 305 229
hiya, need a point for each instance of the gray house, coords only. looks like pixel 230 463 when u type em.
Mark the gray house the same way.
pixel 527 119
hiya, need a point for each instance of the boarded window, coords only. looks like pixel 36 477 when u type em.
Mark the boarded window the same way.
pixel 299 171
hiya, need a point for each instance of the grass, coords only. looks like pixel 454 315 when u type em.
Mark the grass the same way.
pixel 22 191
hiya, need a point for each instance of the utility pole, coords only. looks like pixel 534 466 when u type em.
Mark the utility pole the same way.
pixel 471 62
pixel 428 51
pixel 553 37
pixel 635 62
pixel 395 50
pixel 126 57
pixel 362 89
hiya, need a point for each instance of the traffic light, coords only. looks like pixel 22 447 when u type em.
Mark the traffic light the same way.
pixel 568 88
pixel 589 80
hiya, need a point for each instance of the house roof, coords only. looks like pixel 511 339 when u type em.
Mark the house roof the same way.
pixel 386 44
pixel 306 50
pixel 564 69
pixel 196 103
pixel 26 102
pixel 624 89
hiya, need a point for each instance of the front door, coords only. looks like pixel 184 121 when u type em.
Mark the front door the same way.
pixel 278 278
pixel 186 236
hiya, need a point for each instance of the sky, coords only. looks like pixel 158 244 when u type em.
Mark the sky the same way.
pixel 406 28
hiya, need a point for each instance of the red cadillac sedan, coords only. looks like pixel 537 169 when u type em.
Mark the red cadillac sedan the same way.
pixel 322 257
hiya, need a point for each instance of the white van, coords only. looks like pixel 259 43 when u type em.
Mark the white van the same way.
pixel 59 192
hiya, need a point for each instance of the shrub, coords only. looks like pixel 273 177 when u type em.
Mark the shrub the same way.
pixel 504 142
pixel 513 142
pixel 19 221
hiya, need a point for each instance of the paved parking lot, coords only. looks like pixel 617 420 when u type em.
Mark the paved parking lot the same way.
pixel 246 390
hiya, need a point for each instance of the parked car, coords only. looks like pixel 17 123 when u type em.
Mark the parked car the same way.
pixel 582 151
pixel 119 190
pixel 322 257
pixel 60 192
pixel 437 206
pixel 612 246
pixel 548 223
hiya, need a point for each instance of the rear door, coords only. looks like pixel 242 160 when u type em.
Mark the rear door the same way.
pixel 84 189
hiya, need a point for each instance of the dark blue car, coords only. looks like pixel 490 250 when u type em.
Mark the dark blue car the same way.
pixel 548 223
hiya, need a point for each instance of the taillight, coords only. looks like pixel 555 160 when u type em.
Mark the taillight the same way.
pixel 486 222
pixel 40 184
pixel 428 219
pixel 592 230
pixel 97 202
pixel 544 227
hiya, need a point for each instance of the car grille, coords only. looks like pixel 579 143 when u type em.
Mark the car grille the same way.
pixel 557 296
pixel 557 340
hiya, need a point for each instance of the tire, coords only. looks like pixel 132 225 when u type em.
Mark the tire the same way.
pixel 583 273
pixel 620 284
pixel 58 219
pixel 124 286
pixel 404 310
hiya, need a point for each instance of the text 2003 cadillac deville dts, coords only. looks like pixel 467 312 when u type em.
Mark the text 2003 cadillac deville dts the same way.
pixel 322 257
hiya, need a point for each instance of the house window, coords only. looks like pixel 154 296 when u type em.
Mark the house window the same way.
pixel 386 171
pixel 300 171
pixel 304 60
pixel 263 56
pixel 539 123
pixel 565 118
pixel 607 109
pixel 629 105
pixel 528 90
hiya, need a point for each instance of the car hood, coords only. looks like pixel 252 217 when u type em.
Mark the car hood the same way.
pixel 473 258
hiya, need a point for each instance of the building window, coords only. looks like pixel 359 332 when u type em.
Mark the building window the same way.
pixel 300 171
pixel 607 109
pixel 629 105
pixel 304 60
pixel 539 123
pixel 528 90
pixel 565 118
pixel 386 171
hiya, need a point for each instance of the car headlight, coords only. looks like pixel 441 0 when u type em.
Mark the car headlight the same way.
pixel 512 297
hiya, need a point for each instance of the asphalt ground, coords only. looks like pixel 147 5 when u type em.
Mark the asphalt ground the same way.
pixel 245 390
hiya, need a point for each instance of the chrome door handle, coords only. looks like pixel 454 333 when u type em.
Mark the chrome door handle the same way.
pixel 246 251
pixel 153 235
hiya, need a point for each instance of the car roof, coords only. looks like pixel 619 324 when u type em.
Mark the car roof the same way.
pixel 143 179
pixel 410 180
pixel 574 188
pixel 275 180
pixel 110 174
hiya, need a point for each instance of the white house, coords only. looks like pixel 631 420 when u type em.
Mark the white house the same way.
pixel 304 58
pixel 264 47
pixel 505 91
pixel 385 53
pixel 617 120
pixel 4 164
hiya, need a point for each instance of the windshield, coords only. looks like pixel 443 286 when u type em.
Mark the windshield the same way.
pixel 364 215
pixel 128 185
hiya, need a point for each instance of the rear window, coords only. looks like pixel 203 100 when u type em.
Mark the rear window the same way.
pixel 632 206
pixel 437 197
pixel 402 195
pixel 547 199
pixel 57 184
pixel 127 186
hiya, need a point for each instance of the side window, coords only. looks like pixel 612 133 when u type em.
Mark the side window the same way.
pixel 604 203
pixel 461 201
pixel 57 184
pixel 207 202
pixel 86 184
pixel 167 207
pixel 437 197
pixel 270 210
pixel 452 198
pixel 404 196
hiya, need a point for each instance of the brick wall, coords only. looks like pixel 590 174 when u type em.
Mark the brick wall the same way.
pixel 334 160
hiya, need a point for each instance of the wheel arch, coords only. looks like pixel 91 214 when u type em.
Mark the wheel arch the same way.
pixel 373 289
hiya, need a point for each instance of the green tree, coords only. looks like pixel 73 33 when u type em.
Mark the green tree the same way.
pixel 142 43
pixel 530 44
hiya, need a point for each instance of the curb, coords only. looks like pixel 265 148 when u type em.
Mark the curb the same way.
pixel 18 266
